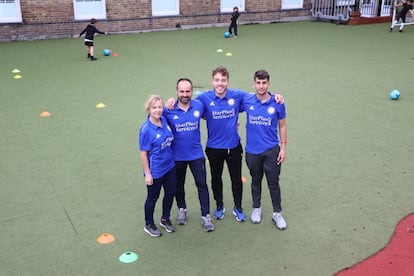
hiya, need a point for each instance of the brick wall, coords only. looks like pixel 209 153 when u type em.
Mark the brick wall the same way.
pixel 46 11
pixel 55 18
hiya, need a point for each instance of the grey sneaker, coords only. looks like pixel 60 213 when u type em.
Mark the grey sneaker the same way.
pixel 207 224
pixel 182 216
pixel 256 215
pixel 166 223
pixel 152 230
pixel 279 220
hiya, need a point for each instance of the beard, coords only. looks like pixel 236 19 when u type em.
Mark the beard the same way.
pixel 184 100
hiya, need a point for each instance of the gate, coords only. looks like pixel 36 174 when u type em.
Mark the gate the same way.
pixel 336 10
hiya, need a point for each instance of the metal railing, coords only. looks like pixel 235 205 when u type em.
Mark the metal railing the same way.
pixel 340 10
pixel 337 10
pixel 374 8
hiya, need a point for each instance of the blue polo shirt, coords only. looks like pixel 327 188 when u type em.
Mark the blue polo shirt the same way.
pixel 186 128
pixel 262 121
pixel 157 141
pixel 222 115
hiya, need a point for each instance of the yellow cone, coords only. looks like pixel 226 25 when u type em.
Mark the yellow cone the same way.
pixel 229 54
pixel 100 105
pixel 17 77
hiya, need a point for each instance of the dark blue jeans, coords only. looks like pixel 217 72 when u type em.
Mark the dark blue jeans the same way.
pixel 233 158
pixel 198 169
pixel 168 181
pixel 265 163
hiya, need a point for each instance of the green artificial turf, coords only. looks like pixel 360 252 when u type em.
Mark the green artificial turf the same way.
pixel 67 178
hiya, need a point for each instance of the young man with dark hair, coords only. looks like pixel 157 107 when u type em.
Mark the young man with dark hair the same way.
pixel 266 139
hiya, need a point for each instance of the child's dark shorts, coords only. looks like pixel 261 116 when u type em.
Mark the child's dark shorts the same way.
pixel 89 43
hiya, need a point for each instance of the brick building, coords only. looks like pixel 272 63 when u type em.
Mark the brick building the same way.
pixel 44 19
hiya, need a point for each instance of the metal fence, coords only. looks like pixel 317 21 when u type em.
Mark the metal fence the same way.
pixel 374 8
pixel 340 10
pixel 337 10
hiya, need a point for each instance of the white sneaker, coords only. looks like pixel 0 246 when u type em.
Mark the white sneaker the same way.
pixel 182 216
pixel 207 223
pixel 279 220
pixel 256 215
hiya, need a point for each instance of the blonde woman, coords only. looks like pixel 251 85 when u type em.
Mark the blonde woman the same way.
pixel 155 139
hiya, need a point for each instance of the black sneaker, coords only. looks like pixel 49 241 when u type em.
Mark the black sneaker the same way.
pixel 93 58
pixel 89 56
pixel 152 230
pixel 166 223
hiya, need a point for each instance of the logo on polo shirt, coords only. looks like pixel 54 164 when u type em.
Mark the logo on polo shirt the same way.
pixel 196 114
pixel 251 107
pixel 212 104
pixel 175 117
pixel 271 110
pixel 230 102
pixel 158 135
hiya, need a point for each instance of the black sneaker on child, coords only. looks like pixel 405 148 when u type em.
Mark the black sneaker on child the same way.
pixel 93 58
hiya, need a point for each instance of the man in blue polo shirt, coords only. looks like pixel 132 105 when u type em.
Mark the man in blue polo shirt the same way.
pixel 264 155
pixel 223 141
pixel 184 120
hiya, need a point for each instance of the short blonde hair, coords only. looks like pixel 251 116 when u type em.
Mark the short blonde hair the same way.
pixel 151 100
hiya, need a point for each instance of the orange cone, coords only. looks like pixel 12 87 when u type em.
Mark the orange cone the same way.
pixel 105 238
pixel 45 114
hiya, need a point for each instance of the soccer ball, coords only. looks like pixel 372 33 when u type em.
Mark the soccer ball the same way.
pixel 394 94
pixel 106 52
pixel 226 34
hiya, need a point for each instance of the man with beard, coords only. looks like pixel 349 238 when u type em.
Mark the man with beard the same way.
pixel 184 120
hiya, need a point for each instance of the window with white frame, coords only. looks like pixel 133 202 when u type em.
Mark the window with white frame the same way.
pixel 87 9
pixel 10 11
pixel 165 7
pixel 228 5
pixel 292 4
